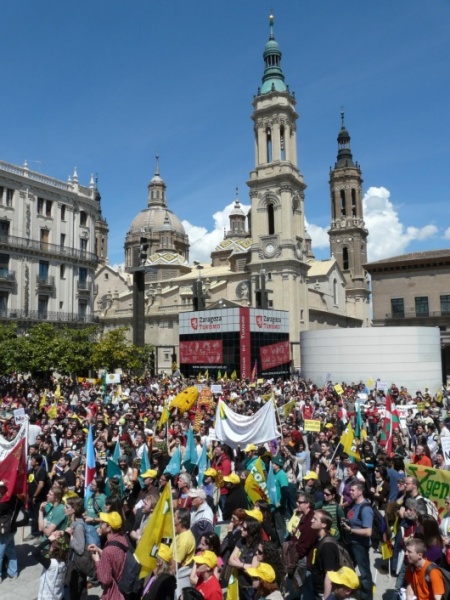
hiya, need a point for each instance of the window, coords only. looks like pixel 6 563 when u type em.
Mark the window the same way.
pixel 9 197
pixel 40 206
pixel 271 218
pixel 62 271
pixel 48 208
pixel 43 271
pixel 43 307
pixel 335 292
pixel 4 265
pixel 3 303
pixel 269 145
pixel 62 240
pixel 83 244
pixel 343 210
pixel 422 309
pixel 82 275
pixel 45 234
pixel 445 305
pixel 282 143
pixel 398 307
pixel 83 218
pixel 4 229
pixel 82 310
pixel 63 212
pixel 345 262
pixel 2 189
pixel 353 202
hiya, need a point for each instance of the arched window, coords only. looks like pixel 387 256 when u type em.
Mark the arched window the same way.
pixel 269 144
pixel 271 218
pixel 282 143
pixel 343 211
pixel 353 202
pixel 335 292
pixel 345 264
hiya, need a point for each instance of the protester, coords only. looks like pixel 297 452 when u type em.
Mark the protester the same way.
pixel 7 531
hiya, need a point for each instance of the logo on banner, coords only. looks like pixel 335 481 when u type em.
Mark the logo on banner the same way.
pixel 194 323
pixel 259 321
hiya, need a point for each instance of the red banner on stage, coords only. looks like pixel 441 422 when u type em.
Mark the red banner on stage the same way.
pixel 244 342
pixel 274 355
pixel 207 352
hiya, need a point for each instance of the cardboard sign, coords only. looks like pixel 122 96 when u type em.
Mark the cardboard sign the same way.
pixel 19 416
pixel 381 385
pixel 212 434
pixel 339 389
pixel 445 443
pixel 420 406
pixel 216 388
pixel 311 425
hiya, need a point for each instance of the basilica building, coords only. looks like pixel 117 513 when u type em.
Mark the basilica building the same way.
pixel 265 258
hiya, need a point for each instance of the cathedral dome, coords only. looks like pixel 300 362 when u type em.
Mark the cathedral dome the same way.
pixel 155 218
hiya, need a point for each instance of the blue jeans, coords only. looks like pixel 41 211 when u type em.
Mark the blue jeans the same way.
pixel 360 557
pixel 8 549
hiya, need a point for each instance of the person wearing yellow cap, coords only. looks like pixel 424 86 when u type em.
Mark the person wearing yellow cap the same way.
pixel 236 497
pixel 264 581
pixel 162 584
pixel 109 562
pixel 208 584
pixel 343 583
pixel 251 456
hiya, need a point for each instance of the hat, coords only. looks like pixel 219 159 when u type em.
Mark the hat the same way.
pixel 197 494
pixel 149 473
pixel 250 448
pixel 329 426
pixel 165 552
pixel 278 460
pixel 255 513
pixel 206 558
pixel 210 473
pixel 345 576
pixel 113 519
pixel 310 475
pixel 232 478
pixel 263 571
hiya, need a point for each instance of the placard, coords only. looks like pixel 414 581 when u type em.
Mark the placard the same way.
pixel 312 425
pixel 216 388
pixel 19 416
pixel 445 443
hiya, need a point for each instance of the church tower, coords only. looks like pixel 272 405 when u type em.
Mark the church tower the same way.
pixel 348 234
pixel 277 196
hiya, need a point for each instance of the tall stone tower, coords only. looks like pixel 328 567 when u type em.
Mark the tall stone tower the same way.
pixel 348 234
pixel 277 196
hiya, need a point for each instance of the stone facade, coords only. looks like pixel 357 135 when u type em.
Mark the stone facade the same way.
pixel 50 233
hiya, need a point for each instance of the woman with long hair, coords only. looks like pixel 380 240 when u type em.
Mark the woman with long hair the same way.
pixel 244 556
pixel 269 532
pixel 264 582
pixel 432 537
pixel 332 507
pixel 162 583
pixel 271 554
pixel 54 565
pixel 379 493
pixel 81 565
pixel 211 542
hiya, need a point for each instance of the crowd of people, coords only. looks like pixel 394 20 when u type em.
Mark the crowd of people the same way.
pixel 316 541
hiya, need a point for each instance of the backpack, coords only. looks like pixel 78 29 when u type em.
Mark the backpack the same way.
pixel 378 526
pixel 129 584
pixel 445 575
pixel 430 507
pixel 345 560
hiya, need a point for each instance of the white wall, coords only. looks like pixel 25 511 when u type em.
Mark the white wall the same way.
pixel 407 356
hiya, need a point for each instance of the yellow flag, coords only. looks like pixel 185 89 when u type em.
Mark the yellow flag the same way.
pixel 370 382
pixel 233 376
pixel 158 528
pixel 43 400
pixel 164 417
pixel 348 442
pixel 288 407
pixel 58 392
pixel 255 484
pixel 52 412
pixel 233 588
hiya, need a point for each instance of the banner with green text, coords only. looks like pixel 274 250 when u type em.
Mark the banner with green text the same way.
pixel 434 484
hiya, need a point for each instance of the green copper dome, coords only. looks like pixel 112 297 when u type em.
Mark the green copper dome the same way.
pixel 273 78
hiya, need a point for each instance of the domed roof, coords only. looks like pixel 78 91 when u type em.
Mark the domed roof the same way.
pixel 154 218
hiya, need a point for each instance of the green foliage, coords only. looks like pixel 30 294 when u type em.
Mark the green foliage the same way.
pixel 8 340
pixel 114 351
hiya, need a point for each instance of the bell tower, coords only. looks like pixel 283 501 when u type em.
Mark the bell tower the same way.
pixel 348 233
pixel 277 194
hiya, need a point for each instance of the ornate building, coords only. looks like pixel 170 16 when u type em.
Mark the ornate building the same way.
pixel 52 238
pixel 265 256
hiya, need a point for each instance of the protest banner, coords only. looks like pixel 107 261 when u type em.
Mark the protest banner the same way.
pixel 311 425
pixel 19 416
pixel 216 388
pixel 382 385
pixel 420 406
pixel 434 484
pixel 339 389
pixel 445 443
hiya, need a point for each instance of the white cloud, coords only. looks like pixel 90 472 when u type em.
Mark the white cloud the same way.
pixel 447 233
pixel 203 241
pixel 387 235
pixel 319 235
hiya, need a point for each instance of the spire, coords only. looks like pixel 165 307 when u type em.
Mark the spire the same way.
pixel 273 78
pixel 344 157
pixel 157 165
pixel 157 188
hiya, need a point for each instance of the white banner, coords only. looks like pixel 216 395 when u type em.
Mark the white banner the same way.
pixel 112 378
pixel 445 443
pixel 239 430
pixel 7 445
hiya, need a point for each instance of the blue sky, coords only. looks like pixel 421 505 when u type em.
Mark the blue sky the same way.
pixel 105 84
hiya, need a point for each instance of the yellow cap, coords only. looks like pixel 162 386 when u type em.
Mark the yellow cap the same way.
pixel 232 478
pixel 250 448
pixel 210 472
pixel 113 519
pixel 206 558
pixel 256 514
pixel 150 473
pixel 165 552
pixel 263 571
pixel 310 475
pixel 345 576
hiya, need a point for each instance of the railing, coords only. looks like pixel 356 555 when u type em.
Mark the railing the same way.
pixel 42 315
pixel 6 275
pixel 418 315
pixel 27 244
pixel 45 280
pixel 84 286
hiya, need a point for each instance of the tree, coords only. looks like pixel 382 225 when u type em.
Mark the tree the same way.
pixel 8 347
pixel 75 349
pixel 37 351
pixel 114 351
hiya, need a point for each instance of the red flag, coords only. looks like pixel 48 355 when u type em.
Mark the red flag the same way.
pixel 13 465
pixel 391 422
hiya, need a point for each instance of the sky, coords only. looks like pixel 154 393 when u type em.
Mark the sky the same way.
pixel 104 85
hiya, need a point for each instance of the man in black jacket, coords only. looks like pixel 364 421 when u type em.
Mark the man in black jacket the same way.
pixel 236 497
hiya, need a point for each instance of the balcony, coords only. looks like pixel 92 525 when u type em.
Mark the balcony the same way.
pixel 7 278
pixel 45 282
pixel 44 248
pixel 84 288
pixel 41 315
